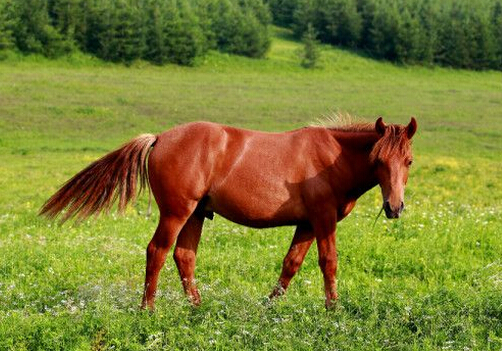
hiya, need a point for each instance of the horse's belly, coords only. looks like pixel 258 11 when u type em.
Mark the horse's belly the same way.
pixel 257 206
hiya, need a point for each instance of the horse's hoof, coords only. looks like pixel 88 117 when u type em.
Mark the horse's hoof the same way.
pixel 331 303
pixel 150 309
pixel 278 291
pixel 195 302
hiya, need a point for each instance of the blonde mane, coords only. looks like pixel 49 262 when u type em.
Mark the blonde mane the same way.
pixel 344 121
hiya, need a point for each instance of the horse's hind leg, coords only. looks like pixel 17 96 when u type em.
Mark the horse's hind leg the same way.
pixel 304 236
pixel 164 237
pixel 185 255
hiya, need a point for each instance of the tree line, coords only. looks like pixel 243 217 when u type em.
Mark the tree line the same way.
pixel 459 33
pixel 158 31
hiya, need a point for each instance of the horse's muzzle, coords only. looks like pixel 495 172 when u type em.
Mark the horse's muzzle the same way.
pixel 392 213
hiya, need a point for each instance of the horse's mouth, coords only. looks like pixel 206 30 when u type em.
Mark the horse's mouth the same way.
pixel 391 213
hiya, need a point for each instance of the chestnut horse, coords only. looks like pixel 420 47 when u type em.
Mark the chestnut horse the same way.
pixel 310 178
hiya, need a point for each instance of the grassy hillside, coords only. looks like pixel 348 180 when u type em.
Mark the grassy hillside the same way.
pixel 431 280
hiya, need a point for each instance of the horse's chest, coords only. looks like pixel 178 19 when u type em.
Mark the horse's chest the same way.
pixel 345 209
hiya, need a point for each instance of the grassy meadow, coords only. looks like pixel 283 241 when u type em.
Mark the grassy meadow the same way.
pixel 431 280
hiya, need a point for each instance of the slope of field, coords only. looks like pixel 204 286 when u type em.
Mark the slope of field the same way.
pixel 431 280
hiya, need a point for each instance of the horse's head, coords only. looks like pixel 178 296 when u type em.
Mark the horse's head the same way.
pixel 392 159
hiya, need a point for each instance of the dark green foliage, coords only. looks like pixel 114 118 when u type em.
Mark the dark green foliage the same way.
pixel 238 27
pixel 453 40
pixel 342 22
pixel 160 31
pixel 384 33
pixel 428 35
pixel 310 49
pixel 408 38
pixel 283 11
pixel 336 21
pixel 31 28
pixel 366 9
pixel 6 38
pixel 466 34
pixel 251 38
pixel 184 36
pixel 496 24
pixel 122 35
pixel 482 52
pixel 157 49
pixel 465 38
pixel 66 15
pixel 304 14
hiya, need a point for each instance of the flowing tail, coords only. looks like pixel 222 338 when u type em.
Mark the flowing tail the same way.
pixel 98 186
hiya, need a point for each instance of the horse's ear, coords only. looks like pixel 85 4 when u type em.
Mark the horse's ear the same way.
pixel 380 126
pixel 411 128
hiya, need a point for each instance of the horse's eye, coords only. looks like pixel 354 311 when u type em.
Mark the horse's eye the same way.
pixel 409 162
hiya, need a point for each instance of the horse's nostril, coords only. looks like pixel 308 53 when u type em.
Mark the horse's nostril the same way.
pixel 390 212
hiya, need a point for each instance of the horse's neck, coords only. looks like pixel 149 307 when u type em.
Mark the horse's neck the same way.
pixel 357 146
pixel 362 140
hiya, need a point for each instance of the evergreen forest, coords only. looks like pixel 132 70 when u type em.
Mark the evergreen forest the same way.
pixel 461 34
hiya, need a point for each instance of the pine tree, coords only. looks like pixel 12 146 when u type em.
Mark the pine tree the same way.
pixel 189 39
pixel 205 10
pixel 428 34
pixel 304 14
pixel 496 25
pixel 282 11
pixel 32 29
pixel 6 23
pixel 241 28
pixel 342 23
pixel 250 37
pixel 453 49
pixel 482 47
pixel 129 28
pixel 384 27
pixel 119 30
pixel 65 14
pixel 91 32
pixel 156 50
pixel 407 38
pixel 366 9
pixel 311 54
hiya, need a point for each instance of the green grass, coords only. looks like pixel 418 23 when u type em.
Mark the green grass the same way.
pixel 429 281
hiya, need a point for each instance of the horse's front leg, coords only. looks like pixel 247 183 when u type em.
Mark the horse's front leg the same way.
pixel 326 246
pixel 304 236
